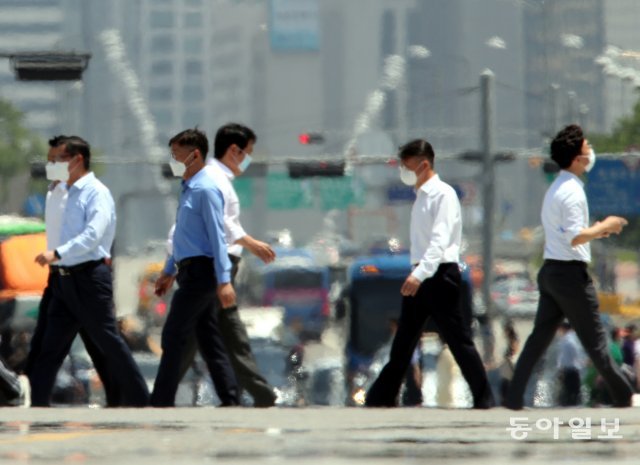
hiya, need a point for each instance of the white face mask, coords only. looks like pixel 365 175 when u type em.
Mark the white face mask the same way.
pixel 592 161
pixel 407 176
pixel 57 171
pixel 244 164
pixel 178 168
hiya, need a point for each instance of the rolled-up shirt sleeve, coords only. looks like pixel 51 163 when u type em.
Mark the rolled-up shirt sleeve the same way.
pixel 574 221
pixel 212 213
pixel 233 228
pixel 446 213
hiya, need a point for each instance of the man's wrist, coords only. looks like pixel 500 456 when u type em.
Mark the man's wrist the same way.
pixel 56 254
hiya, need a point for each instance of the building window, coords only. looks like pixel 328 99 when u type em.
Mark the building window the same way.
pixel 163 43
pixel 162 68
pixel 162 19
pixel 193 19
pixel 160 93
pixel 163 116
pixel 192 94
pixel 193 117
pixel 193 68
pixel 193 45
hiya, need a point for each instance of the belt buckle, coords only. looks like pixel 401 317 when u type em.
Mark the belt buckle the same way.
pixel 63 272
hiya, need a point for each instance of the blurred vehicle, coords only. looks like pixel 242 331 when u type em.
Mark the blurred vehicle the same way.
pixel 515 297
pixel 373 304
pixel 373 301
pixel 294 281
pixel 151 308
pixel 22 282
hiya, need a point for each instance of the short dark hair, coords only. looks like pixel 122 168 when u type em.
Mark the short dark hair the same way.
pixel 417 148
pixel 192 138
pixel 74 145
pixel 57 141
pixel 567 145
pixel 230 134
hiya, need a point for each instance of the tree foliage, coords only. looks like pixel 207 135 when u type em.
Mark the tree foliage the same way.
pixel 18 145
pixel 625 136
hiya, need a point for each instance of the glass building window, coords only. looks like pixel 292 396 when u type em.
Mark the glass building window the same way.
pixel 193 19
pixel 193 68
pixel 193 117
pixel 193 44
pixel 163 116
pixel 192 94
pixel 163 43
pixel 160 93
pixel 162 19
pixel 162 68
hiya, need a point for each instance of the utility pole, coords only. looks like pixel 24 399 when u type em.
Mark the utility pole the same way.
pixel 571 107
pixel 488 199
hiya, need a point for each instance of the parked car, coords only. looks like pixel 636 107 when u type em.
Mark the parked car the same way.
pixel 515 297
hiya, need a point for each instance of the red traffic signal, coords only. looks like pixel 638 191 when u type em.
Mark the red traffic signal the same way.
pixel 310 138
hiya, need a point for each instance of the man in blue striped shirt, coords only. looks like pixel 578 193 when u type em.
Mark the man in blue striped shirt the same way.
pixel 203 272
pixel 82 284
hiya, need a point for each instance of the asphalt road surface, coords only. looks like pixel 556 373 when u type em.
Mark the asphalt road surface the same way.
pixel 317 436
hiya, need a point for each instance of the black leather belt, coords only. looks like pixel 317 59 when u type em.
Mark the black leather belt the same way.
pixel 551 261
pixel 69 270
pixel 193 261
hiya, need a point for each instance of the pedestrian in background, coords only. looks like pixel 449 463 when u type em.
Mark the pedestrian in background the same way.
pixel 82 285
pixel 55 204
pixel 233 147
pixel 570 364
pixel 433 287
pixel 566 289
pixel 199 252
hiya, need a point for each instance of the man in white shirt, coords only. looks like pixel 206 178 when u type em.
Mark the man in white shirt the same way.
pixel 55 203
pixel 233 146
pixel 566 289
pixel 433 287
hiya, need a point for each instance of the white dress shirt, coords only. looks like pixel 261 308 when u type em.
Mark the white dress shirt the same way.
pixel 232 228
pixel 436 227
pixel 565 213
pixel 88 223
pixel 53 210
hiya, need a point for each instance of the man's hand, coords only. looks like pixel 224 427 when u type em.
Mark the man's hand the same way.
pixel 410 286
pixel 260 249
pixel 46 258
pixel 614 224
pixel 164 283
pixel 227 295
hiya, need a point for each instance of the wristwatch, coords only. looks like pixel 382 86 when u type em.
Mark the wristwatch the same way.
pixel 56 254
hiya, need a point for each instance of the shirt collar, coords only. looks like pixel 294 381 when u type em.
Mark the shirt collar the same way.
pixel 225 169
pixel 430 185
pixel 193 179
pixel 566 175
pixel 83 181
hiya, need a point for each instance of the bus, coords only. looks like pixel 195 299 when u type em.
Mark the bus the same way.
pixel 294 281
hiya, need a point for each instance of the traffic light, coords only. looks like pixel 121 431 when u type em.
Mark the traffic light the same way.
pixel 307 169
pixel 311 138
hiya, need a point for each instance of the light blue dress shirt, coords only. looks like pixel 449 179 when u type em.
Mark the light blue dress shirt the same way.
pixel 88 223
pixel 200 226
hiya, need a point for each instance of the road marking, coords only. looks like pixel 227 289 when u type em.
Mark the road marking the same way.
pixel 47 437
